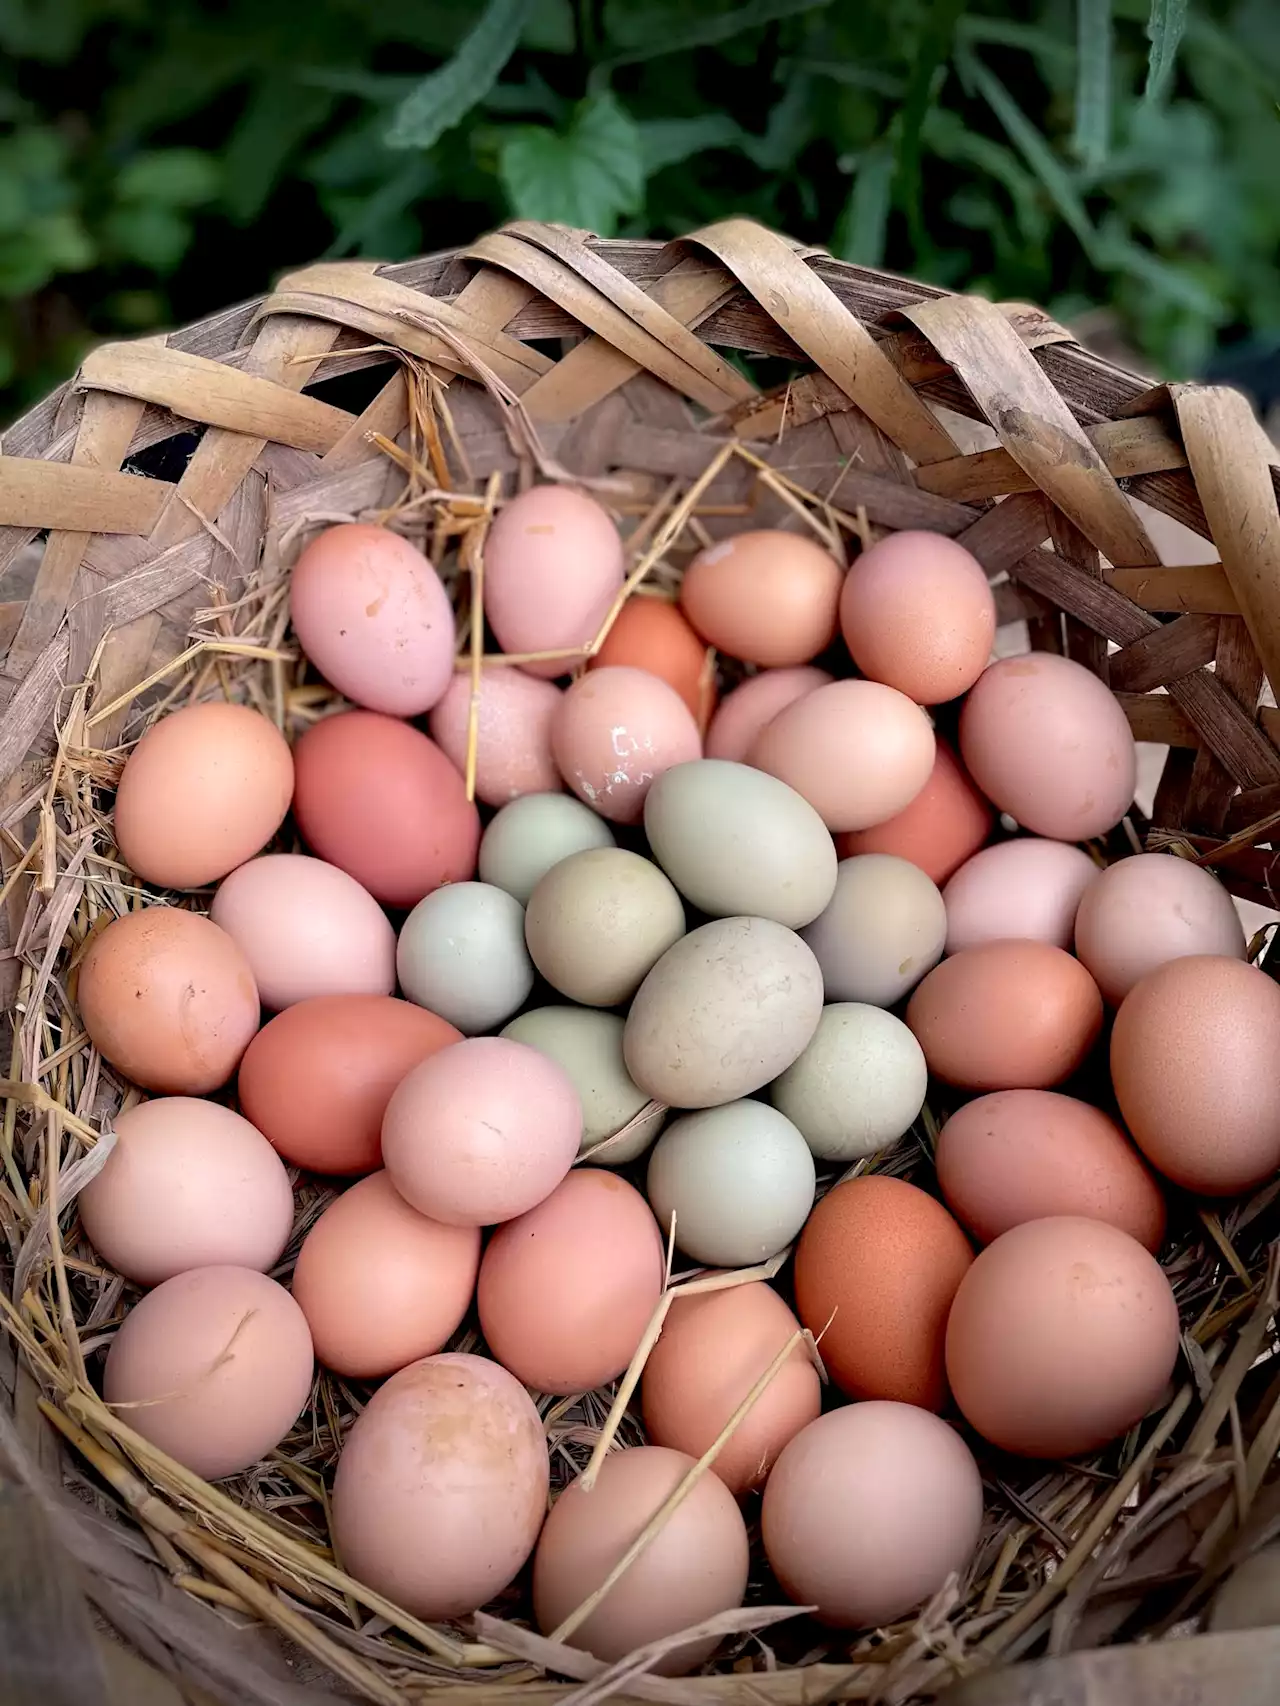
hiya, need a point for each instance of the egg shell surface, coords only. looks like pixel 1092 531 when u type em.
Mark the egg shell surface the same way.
pixel 599 921
pixel 567 1290
pixel 452 1447
pixel 1020 1155
pixel 588 1045
pixel 882 930
pixel 316 1080
pixel 713 1348
pixel 943 826
pixel 767 597
pixel 204 789
pixel 189 1184
pixel 215 1367
pixel 461 953
pixel 858 1086
pixel 372 616
pixel 383 803
pixel 513 732
pixel 1047 742
pixel 695 1567
pixel 653 634
pixel 1006 1016
pixel 527 837
pixel 1062 1335
pixel 379 1283
pixel 614 732
pixel 1027 888
pixel 876 1269
pixel 1147 910
pixel 757 701
pixel 306 928
pixel 169 1000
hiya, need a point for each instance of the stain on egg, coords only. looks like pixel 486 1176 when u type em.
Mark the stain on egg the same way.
pixel 615 731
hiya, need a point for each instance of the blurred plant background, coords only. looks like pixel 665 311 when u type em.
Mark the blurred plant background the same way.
pixel 159 161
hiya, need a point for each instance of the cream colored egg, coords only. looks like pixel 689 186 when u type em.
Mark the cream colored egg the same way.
pixel 588 1045
pixel 531 834
pixel 858 1086
pixel 598 921
pixel 884 929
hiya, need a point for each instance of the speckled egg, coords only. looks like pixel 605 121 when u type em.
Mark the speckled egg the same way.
pixel 513 732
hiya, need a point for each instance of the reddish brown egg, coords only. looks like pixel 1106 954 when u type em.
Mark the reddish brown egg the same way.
pixel 651 633
pixel 1006 1016
pixel 943 826
pixel 169 1000
pixel 316 1080
pixel 383 803
pixel 876 1269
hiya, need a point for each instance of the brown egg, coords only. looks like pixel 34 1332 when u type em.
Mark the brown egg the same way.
pixel 1028 1154
pixel 567 1290
pixel 316 1080
pixel 693 1568
pixel 1194 1055
pixel 1062 1335
pixel 513 733
pixel 876 1269
pixel 766 597
pixel 650 633
pixel 383 803
pixel 379 1283
pixel 943 826
pixel 1006 1016
pixel 714 1346
pixel 745 711
pixel 169 1000
pixel 615 730
pixel 204 789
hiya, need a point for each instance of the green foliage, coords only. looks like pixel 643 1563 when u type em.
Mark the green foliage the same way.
pixel 157 162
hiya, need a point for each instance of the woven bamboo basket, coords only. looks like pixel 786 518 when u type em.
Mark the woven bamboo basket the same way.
pixel 149 514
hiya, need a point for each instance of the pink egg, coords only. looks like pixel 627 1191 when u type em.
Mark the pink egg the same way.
pixel 482 1131
pixel 373 618
pixel 1027 888
pixel 917 613
pixel 306 928
pixel 1048 743
pixel 745 711
pixel 553 566
pixel 615 731
pixel 513 733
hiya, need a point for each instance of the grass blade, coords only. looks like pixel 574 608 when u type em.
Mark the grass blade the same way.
pixel 706 32
pixel 445 96
pixel 861 233
pixel 1092 138
pixel 1165 29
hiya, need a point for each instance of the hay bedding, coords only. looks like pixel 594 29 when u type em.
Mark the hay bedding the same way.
pixel 172 484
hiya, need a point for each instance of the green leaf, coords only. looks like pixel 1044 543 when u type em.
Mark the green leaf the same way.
pixel 658 39
pixel 668 141
pixel 148 232
pixel 1165 26
pixel 278 119
pixel 1092 138
pixel 934 49
pixel 947 134
pixel 861 232
pixel 445 96
pixel 587 176
pixel 789 127
pixel 170 177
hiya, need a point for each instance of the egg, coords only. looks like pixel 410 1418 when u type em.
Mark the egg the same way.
pixel 598 921
pixel 168 999
pixel 857 751
pixel 737 842
pixel 868 1512
pixel 530 835
pixel 615 730
pixel 916 613
pixel 383 803
pixel 306 928
pixel 316 1080
pixel 738 1179
pixel 373 617
pixel 876 1270
pixel 1193 1061
pixel 1026 888
pixel 1048 743
pixel 213 1367
pixel 693 1568
pixel 379 1283
pixel 567 1290
pixel 651 633
pixel 588 1045
pixel 943 826
pixel 858 1086
pixel 553 565
pixel 1030 1154
pixel 481 1131
pixel 188 1184
pixel 766 597
pixel 744 712
pixel 450 1447
pixel 714 1347
pixel 513 732
pixel 1006 1016
pixel 883 929
pixel 1147 910
pixel 1063 1334
pixel 461 953
pixel 204 789
pixel 722 1013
